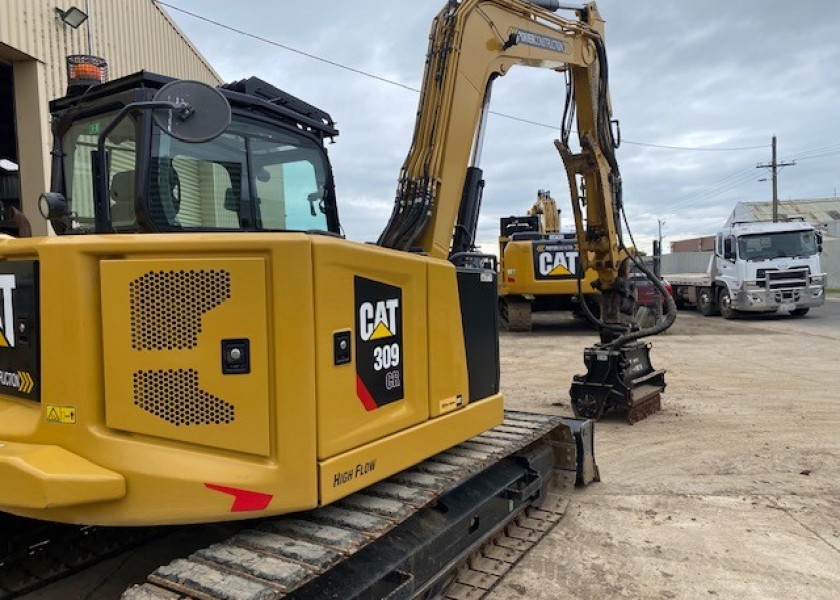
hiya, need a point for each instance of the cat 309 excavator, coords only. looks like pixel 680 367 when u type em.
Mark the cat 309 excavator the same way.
pixel 200 344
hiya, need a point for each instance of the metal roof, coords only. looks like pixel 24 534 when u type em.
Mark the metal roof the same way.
pixel 818 211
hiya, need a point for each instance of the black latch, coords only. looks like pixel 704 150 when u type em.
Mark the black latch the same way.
pixel 342 347
pixel 236 357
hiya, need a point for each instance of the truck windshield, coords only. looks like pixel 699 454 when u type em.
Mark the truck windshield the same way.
pixel 775 245
pixel 254 176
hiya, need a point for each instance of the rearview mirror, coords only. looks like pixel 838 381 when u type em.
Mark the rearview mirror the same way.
pixel 729 248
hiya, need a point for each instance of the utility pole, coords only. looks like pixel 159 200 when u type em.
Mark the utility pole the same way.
pixel 658 254
pixel 774 167
pixel 657 270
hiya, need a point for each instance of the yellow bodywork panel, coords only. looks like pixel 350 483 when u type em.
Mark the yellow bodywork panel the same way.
pixel 363 466
pixel 448 377
pixel 298 414
pixel 541 268
pixel 350 415
pixel 39 477
pixel 163 323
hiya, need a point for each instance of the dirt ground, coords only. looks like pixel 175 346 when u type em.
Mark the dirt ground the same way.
pixel 731 491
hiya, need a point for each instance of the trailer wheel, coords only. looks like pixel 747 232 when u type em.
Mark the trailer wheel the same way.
pixel 725 305
pixel 799 312
pixel 705 302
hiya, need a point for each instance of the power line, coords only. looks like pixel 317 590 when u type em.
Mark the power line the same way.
pixel 712 187
pixel 810 151
pixel 819 155
pixel 413 89
pixel 735 180
pixel 285 47
pixel 696 148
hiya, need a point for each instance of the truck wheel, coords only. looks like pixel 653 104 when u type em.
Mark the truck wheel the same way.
pixel 799 312
pixel 725 305
pixel 705 302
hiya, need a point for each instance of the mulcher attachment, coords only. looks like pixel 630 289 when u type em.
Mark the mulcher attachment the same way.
pixel 618 379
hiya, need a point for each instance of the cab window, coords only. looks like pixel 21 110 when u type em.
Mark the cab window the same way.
pixel 254 176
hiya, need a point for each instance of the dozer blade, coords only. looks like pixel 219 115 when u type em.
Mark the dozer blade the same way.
pixel 618 380
pixel 449 527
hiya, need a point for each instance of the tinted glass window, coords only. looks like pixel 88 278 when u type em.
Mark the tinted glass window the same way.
pixel 78 145
pixel 776 245
pixel 254 176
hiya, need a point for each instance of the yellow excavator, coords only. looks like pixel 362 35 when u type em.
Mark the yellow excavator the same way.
pixel 199 343
pixel 539 267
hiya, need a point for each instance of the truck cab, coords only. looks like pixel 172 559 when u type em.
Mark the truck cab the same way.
pixel 758 267
pixel 769 266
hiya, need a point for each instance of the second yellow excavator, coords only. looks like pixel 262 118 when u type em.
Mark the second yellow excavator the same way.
pixel 540 267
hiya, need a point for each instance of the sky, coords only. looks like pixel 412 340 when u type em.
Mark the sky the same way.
pixel 716 79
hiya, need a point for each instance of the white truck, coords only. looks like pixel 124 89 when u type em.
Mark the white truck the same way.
pixel 757 267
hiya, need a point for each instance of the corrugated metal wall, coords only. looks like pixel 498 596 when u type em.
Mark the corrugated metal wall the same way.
pixel 830 262
pixel 130 34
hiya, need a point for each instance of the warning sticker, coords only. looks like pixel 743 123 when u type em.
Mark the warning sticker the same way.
pixel 65 415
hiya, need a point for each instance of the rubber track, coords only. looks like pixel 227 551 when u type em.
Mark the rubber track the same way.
pixel 62 551
pixel 516 314
pixel 486 567
pixel 284 553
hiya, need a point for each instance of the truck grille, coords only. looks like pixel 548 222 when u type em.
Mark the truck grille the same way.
pixel 784 280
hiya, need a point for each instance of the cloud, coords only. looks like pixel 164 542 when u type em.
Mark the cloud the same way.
pixel 690 74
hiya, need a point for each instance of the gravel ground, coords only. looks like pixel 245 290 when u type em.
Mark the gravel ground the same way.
pixel 731 491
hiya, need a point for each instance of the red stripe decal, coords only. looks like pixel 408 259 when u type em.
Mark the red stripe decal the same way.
pixel 364 395
pixel 243 500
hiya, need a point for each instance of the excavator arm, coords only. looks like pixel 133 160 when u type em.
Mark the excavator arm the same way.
pixel 471 44
pixel 546 208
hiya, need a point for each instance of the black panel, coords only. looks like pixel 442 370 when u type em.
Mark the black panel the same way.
pixel 510 225
pixel 20 336
pixel 479 314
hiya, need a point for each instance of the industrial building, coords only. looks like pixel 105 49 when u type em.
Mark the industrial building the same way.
pixel 35 39
pixel 819 212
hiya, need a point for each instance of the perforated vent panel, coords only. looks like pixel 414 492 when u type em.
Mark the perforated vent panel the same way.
pixel 174 396
pixel 167 306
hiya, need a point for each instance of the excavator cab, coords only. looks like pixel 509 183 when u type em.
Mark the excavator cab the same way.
pixel 267 170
